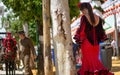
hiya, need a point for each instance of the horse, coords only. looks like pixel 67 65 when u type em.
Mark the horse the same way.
pixel 9 48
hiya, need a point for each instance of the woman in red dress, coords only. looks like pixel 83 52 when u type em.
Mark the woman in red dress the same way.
pixel 88 36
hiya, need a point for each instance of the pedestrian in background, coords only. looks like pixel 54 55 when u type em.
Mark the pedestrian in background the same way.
pixel 25 52
pixel 114 46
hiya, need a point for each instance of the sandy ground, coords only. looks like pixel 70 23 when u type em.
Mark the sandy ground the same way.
pixel 116 67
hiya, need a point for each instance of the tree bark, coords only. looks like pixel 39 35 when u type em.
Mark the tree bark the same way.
pixel 48 68
pixel 40 63
pixel 62 38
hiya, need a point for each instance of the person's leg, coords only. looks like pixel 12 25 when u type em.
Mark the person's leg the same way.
pixel 27 65
pixel 32 63
pixel 114 52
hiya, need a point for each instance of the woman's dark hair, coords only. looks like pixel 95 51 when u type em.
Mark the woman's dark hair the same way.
pixel 90 11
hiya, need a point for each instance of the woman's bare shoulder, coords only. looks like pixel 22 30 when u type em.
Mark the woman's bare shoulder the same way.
pixel 97 19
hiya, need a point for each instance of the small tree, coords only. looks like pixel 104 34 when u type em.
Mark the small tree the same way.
pixel 46 36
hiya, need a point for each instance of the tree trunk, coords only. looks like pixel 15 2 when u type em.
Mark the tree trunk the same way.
pixel 40 63
pixel 46 35
pixel 62 38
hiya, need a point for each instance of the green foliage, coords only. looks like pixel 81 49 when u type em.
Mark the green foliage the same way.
pixel 28 10
pixel 14 23
pixel 74 10
pixel 99 8
pixel 32 31
pixel 102 1
pixel 25 10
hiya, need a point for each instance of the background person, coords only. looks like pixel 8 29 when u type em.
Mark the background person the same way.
pixel 114 46
pixel 25 51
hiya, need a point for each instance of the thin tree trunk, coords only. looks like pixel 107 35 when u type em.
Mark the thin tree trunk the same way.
pixel 40 63
pixel 48 68
pixel 62 38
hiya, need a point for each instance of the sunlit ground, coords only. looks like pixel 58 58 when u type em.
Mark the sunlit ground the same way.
pixel 116 67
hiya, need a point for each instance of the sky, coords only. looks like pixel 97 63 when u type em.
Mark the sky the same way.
pixel 1 28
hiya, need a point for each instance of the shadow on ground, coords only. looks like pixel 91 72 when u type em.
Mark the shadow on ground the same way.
pixel 15 74
pixel 116 68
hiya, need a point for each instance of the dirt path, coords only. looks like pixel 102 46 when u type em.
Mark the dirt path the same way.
pixel 116 67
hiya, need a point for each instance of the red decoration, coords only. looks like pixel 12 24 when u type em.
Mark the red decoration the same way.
pixel 9 52
pixel 79 4
pixel 112 8
pixel 105 0
pixel 111 11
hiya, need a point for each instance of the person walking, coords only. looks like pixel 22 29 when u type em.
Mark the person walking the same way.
pixel 25 51
pixel 114 46
pixel 88 36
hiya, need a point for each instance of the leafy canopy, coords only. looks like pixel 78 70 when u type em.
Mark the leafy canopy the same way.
pixel 25 9
pixel 74 10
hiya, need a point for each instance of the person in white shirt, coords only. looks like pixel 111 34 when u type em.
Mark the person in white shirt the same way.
pixel 114 46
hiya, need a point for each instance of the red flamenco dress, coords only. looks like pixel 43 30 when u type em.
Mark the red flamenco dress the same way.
pixel 89 37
